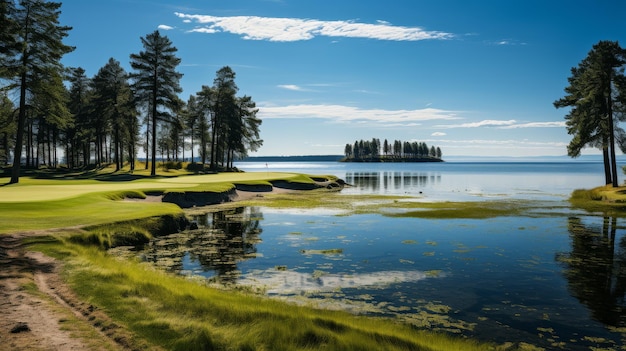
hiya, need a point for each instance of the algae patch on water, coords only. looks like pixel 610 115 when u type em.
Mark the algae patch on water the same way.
pixel 322 252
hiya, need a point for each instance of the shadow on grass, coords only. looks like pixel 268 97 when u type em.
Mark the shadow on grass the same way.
pixel 95 174
pixel 103 173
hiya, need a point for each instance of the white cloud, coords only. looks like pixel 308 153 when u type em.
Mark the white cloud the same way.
pixel 506 42
pixel 296 29
pixel 509 124
pixel 165 27
pixel 484 123
pixel 340 113
pixel 205 30
pixel 537 125
pixel 291 87
pixel 438 134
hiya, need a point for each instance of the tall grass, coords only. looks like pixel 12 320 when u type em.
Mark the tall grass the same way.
pixel 129 233
pixel 179 313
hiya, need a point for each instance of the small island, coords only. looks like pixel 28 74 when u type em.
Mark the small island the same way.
pixel 398 151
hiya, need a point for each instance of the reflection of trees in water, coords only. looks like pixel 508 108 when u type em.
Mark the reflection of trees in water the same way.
pixel 376 181
pixel 224 239
pixel 596 269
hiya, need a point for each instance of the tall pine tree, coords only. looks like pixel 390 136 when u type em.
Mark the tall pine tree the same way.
pixel 594 95
pixel 38 58
pixel 156 81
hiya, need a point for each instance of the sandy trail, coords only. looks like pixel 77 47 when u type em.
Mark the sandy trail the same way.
pixel 39 312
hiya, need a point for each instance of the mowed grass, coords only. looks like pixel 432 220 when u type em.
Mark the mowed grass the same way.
pixel 38 204
pixel 33 190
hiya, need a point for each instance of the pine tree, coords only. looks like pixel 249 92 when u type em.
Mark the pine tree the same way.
pixel 40 41
pixel 116 113
pixel 596 88
pixel 156 81
pixel 250 133
pixel 8 40
pixel 224 110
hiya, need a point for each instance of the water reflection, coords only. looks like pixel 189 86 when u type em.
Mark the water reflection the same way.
pixel 384 180
pixel 596 269
pixel 291 282
pixel 495 279
pixel 221 241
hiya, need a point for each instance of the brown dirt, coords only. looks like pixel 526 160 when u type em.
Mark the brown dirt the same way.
pixel 40 312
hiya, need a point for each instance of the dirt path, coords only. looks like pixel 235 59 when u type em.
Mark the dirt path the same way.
pixel 39 312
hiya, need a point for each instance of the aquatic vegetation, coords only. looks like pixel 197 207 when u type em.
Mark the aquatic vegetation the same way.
pixel 433 273
pixel 322 252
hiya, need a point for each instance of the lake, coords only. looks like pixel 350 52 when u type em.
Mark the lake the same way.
pixel 555 279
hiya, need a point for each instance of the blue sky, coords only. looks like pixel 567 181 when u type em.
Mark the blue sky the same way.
pixel 472 77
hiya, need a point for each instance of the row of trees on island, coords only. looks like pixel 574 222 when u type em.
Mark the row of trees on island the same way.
pixel 100 120
pixel 397 151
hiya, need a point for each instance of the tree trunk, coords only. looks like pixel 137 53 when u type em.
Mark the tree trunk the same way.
pixel 607 165
pixel 147 141
pixel 116 149
pixel 214 141
pixel 19 138
pixel 609 104
pixel 154 131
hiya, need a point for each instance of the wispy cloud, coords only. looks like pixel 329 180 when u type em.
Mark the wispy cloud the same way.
pixel 341 113
pixel 438 134
pixel 165 27
pixel 499 146
pixel 291 87
pixel 501 124
pixel 536 125
pixel 484 123
pixel 296 29
pixel 506 42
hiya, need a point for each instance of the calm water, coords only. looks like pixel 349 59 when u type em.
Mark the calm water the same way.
pixel 557 281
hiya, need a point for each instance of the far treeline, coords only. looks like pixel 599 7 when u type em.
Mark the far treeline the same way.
pixel 99 120
pixel 398 151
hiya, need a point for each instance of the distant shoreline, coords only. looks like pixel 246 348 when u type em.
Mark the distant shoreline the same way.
pixel 392 160
pixel 304 158
pixel 338 158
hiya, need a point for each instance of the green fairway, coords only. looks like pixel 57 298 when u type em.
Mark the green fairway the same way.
pixel 37 204
pixel 35 190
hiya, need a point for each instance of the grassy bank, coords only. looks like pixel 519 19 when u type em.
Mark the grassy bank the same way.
pixel 605 199
pixel 177 313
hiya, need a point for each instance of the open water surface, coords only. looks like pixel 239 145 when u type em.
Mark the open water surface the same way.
pixel 556 280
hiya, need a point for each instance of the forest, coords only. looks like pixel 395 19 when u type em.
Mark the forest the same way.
pixel 52 115
pixel 398 151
